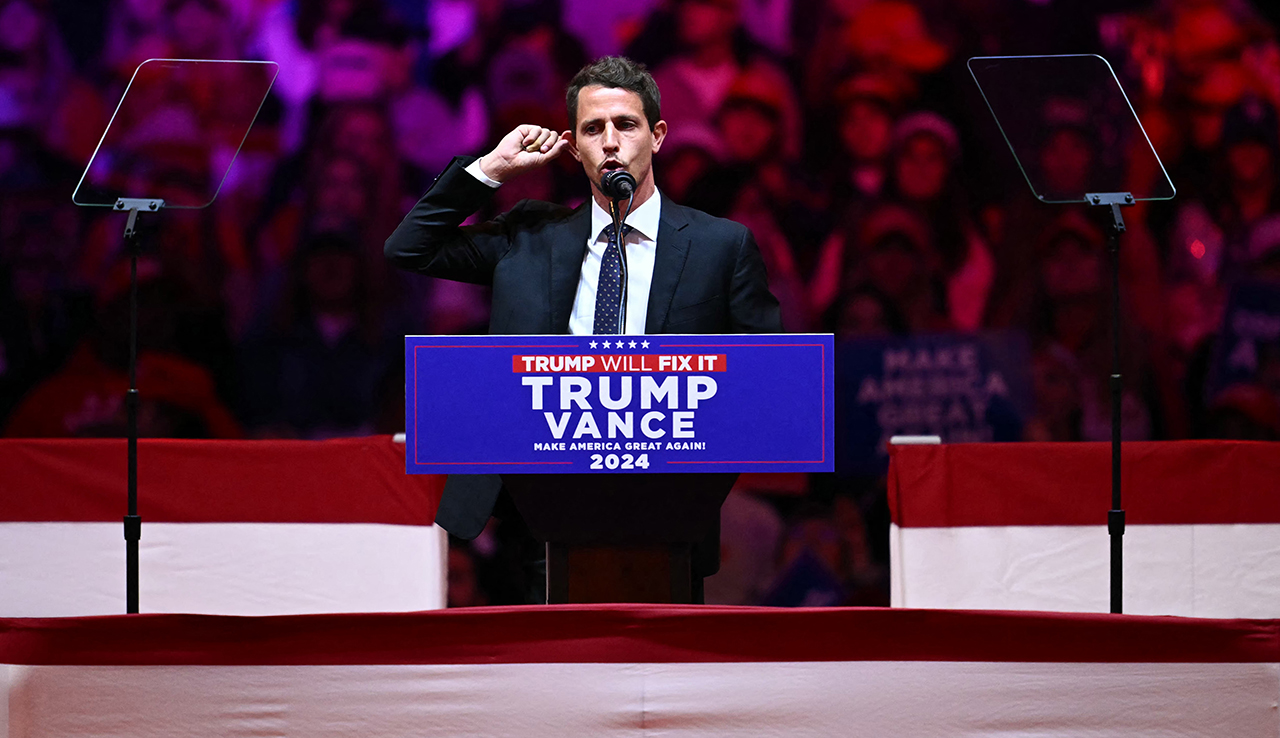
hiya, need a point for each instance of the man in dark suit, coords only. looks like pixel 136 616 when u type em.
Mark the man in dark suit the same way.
pixel 555 270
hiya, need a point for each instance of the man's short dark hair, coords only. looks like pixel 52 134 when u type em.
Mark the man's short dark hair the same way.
pixel 618 72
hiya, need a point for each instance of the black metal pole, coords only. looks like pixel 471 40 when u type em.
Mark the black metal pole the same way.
pixel 1115 516
pixel 132 522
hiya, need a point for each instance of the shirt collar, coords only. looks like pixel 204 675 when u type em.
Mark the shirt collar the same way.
pixel 644 218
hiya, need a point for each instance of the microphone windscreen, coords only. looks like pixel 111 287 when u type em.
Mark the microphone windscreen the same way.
pixel 617 184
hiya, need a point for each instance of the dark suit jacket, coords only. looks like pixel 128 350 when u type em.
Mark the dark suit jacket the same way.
pixel 708 277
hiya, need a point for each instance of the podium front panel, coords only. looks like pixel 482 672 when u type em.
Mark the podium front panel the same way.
pixel 644 404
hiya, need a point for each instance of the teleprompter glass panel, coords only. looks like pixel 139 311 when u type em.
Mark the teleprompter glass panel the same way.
pixel 1070 127
pixel 176 132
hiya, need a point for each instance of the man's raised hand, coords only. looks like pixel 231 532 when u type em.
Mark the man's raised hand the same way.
pixel 525 148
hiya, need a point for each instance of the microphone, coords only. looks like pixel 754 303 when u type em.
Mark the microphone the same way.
pixel 618 184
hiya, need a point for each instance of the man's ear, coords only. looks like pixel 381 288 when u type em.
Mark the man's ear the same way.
pixel 573 145
pixel 659 133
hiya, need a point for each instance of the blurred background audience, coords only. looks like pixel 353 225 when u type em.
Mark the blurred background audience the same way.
pixel 847 134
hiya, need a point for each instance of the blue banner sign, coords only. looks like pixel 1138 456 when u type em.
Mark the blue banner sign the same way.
pixel 962 387
pixel 1248 347
pixel 606 404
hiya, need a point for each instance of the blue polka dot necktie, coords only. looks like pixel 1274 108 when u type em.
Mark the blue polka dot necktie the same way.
pixel 609 285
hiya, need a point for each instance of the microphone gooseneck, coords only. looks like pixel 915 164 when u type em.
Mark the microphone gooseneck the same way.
pixel 617 185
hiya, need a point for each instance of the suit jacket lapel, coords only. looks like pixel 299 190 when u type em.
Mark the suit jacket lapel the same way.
pixel 568 241
pixel 672 250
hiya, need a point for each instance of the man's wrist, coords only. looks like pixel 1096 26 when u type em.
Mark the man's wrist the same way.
pixel 476 169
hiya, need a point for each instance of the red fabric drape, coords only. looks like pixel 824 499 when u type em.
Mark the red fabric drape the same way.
pixel 1163 483
pixel 356 480
pixel 637 633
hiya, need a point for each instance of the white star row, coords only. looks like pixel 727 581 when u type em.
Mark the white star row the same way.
pixel 619 344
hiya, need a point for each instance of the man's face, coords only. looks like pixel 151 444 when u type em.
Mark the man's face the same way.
pixel 1072 269
pixel 922 168
pixel 1066 160
pixel 364 135
pixel 700 23
pixel 750 134
pixel 612 133
pixel 866 130
pixel 1248 162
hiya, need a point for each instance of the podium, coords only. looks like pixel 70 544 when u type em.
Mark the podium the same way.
pixel 620 537
pixel 619 457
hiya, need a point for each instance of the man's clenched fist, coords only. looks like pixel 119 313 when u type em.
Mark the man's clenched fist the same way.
pixel 527 147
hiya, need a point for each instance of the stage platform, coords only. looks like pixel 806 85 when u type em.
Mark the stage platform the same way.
pixel 639 670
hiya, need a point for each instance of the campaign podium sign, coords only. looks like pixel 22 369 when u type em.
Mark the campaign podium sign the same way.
pixel 619 404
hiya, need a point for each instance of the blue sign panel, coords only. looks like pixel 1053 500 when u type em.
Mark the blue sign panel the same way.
pixel 599 404
pixel 962 387
pixel 1248 347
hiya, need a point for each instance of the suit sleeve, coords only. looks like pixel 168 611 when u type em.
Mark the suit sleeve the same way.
pixel 431 239
pixel 752 307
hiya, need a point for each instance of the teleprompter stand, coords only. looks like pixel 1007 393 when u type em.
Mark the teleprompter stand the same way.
pixel 1080 92
pixel 132 521
pixel 1113 201
pixel 168 126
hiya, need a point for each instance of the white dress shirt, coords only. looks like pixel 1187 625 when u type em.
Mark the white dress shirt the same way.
pixel 640 248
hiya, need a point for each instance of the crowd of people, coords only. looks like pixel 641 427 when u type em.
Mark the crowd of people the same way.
pixel 847 134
